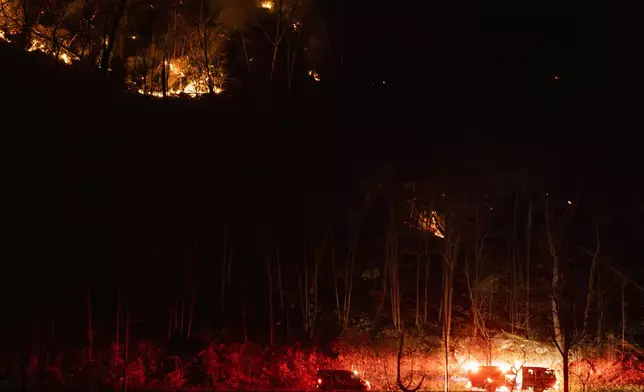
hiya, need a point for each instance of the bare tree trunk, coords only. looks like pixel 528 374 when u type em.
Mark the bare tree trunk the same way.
pixel 192 311
pixel 127 345
pixel 270 300
pixel 170 322
pixel 274 60
pixel 53 328
pixel 30 18
pixel 41 366
pixel 392 257
pixel 600 310
pixel 348 284
pixel 281 288
pixel 164 79
pixel 528 253
pixel 385 289
pixel 307 308
pixel 317 259
pixel 560 334
pixel 118 322
pixel 426 300
pixel 183 312
pixel 450 255
pixel 591 279
pixel 244 312
pixel 623 320
pixel 244 308
pixel 174 29
pixel 206 45
pixel 176 314
pixel 418 320
pixel 90 329
pixel 337 295
pixel 224 262
pixel 514 301
pixel 292 66
pixel 279 279
pixel 111 35
pixel 243 40
pixel 556 277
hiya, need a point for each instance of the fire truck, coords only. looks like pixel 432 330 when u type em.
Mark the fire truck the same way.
pixel 495 379
pixel 537 379
pixel 488 378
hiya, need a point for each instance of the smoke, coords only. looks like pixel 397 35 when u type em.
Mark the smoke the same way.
pixel 234 15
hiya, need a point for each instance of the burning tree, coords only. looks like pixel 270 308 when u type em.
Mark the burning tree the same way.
pixel 205 58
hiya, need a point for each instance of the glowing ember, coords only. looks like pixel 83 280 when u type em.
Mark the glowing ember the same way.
pixel 267 5
pixel 45 47
pixel 66 59
pixel 314 75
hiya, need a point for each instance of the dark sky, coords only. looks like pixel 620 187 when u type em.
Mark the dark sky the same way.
pixel 594 47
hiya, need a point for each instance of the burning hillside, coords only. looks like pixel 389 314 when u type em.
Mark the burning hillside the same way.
pixel 179 57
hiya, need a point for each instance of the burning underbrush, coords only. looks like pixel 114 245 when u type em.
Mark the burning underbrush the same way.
pixel 253 367
pixel 195 67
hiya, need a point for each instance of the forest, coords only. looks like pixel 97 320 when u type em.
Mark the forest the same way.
pixel 257 224
pixel 171 282
pixel 180 47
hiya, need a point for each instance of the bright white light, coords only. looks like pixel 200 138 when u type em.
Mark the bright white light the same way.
pixel 472 366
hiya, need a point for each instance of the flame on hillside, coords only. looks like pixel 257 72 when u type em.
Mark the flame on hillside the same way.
pixel 46 47
pixel 191 87
pixel 184 78
pixel 181 85
pixel 267 5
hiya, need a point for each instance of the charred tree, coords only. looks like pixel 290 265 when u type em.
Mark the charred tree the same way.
pixel 110 34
